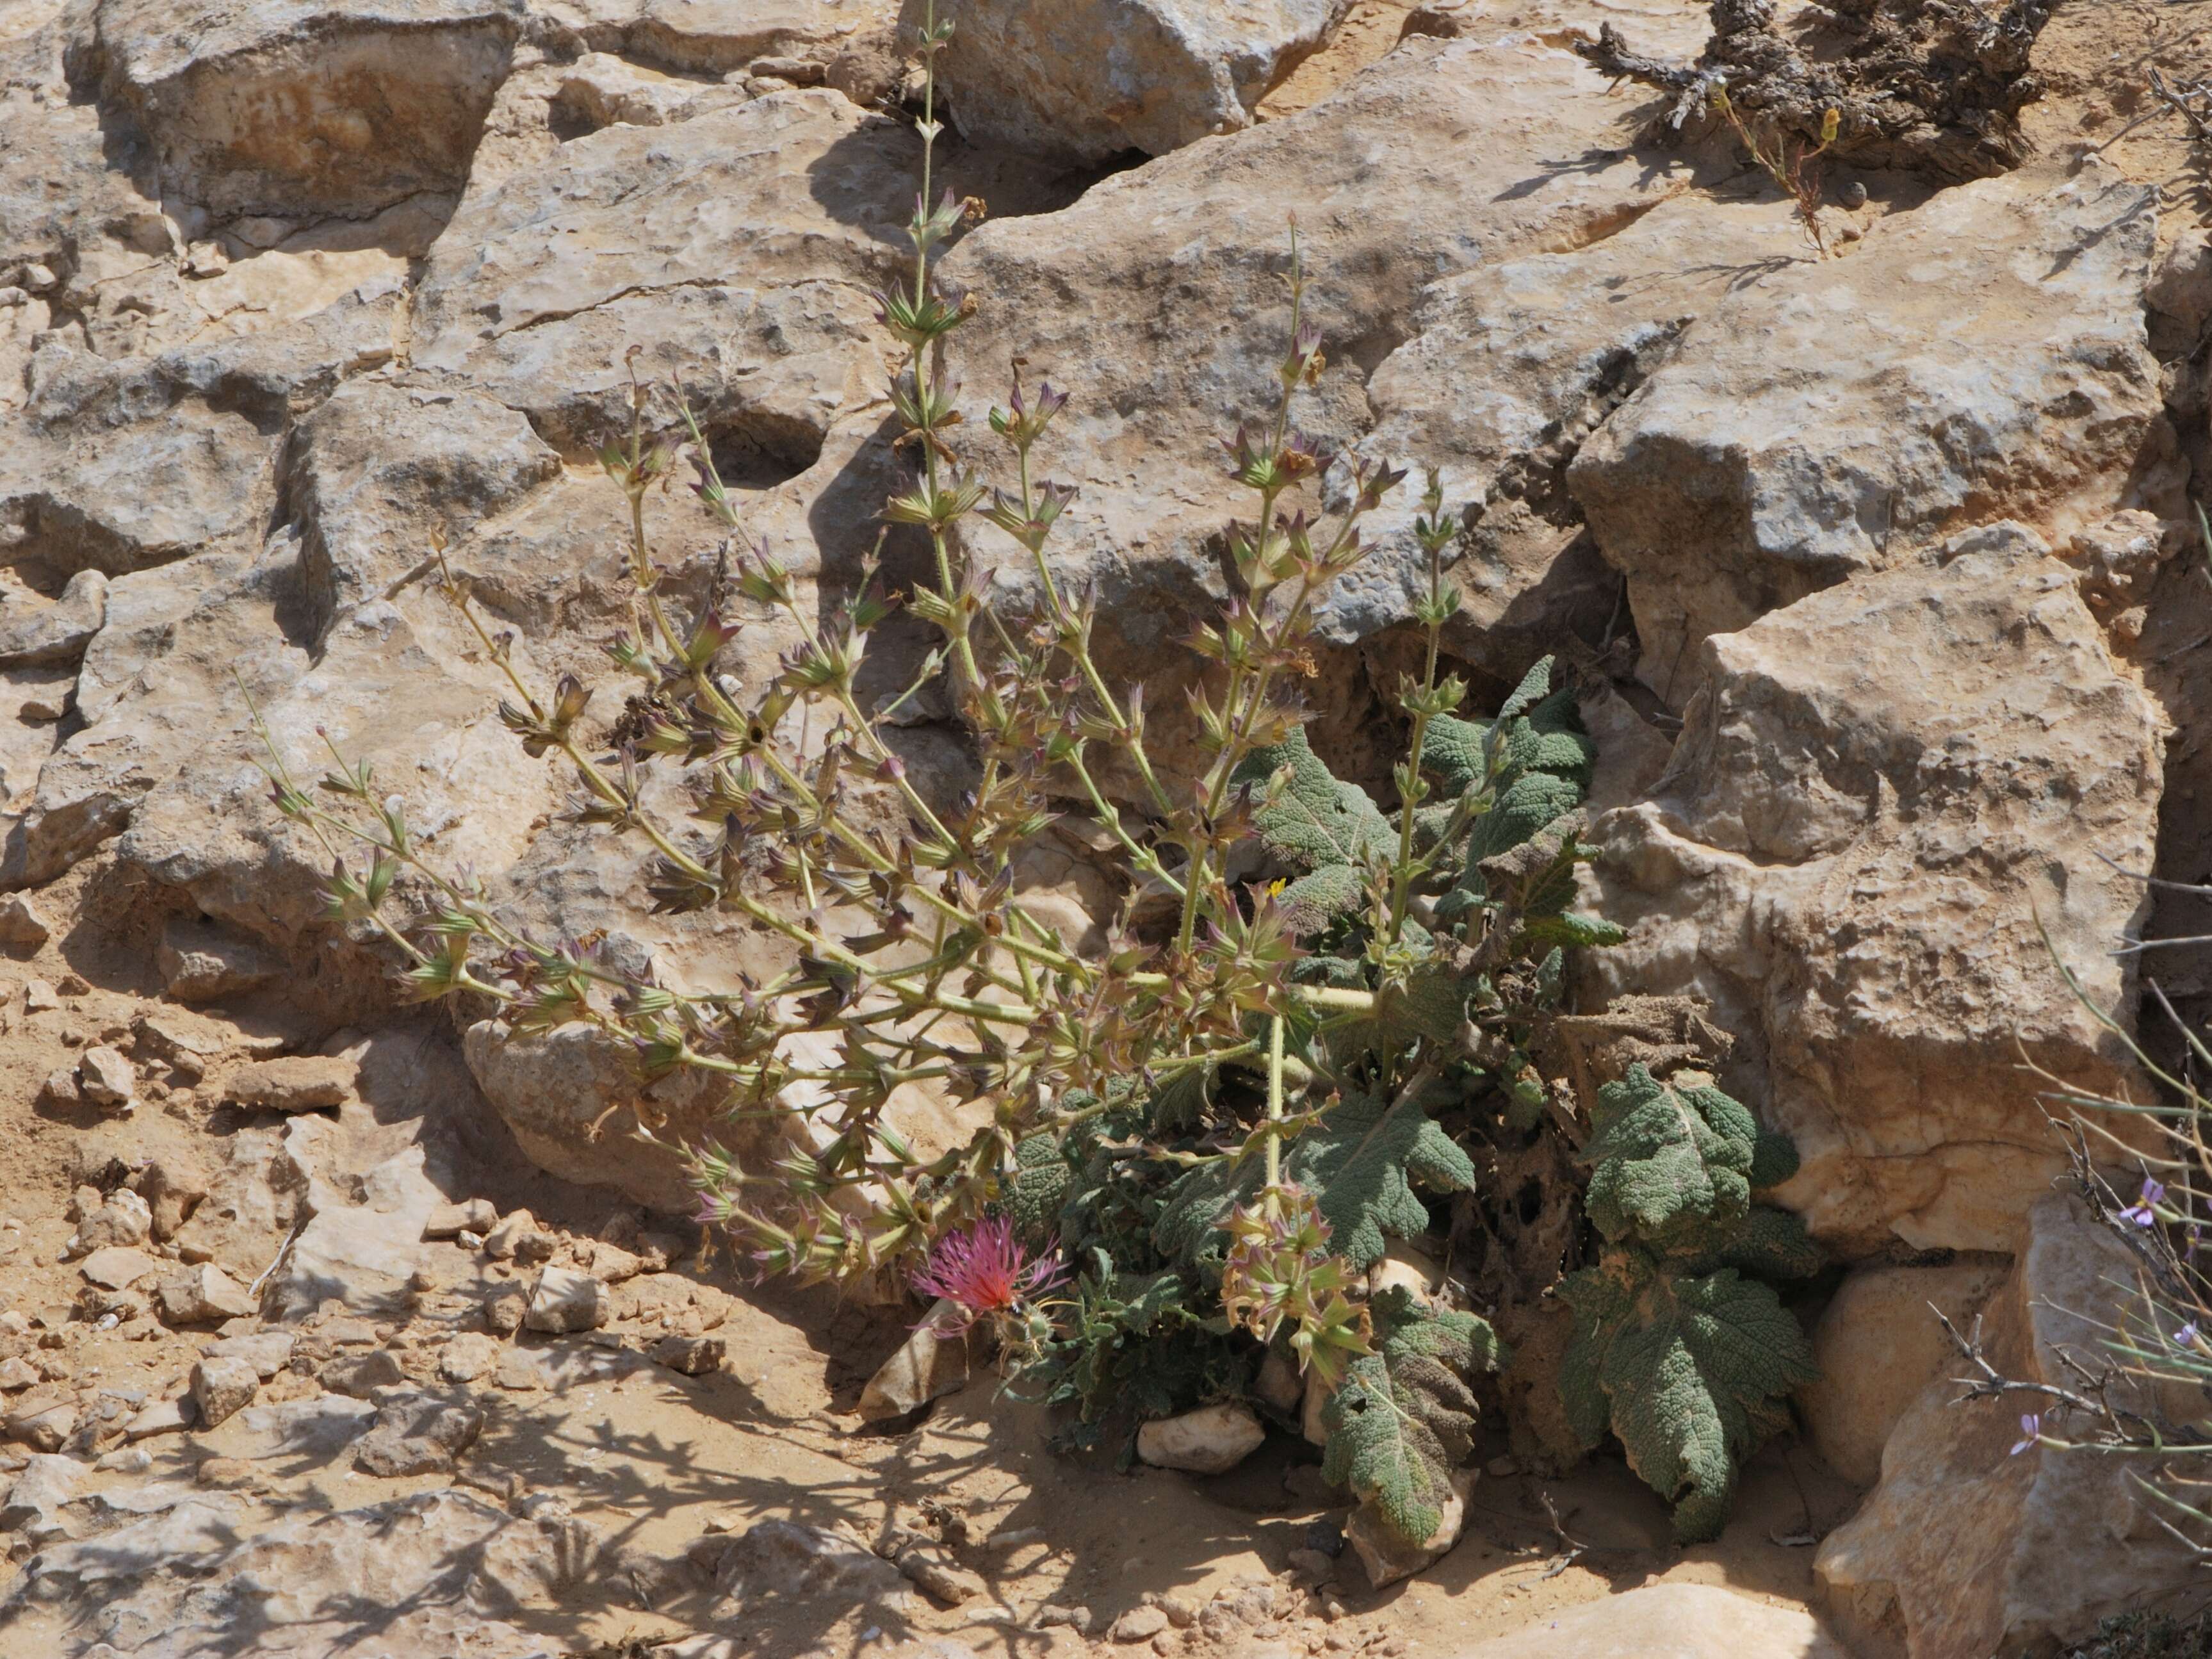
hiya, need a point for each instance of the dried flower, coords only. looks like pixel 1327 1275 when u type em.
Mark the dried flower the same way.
pixel 985 1271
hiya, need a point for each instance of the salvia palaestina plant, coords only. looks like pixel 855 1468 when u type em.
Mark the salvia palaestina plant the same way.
pixel 1313 1021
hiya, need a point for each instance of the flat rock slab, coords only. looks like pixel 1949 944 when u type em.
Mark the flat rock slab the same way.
pixel 1668 1621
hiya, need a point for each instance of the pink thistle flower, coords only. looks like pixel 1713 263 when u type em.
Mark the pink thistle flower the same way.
pixel 985 1271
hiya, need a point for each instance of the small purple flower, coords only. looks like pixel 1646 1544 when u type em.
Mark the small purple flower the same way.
pixel 2143 1213
pixel 984 1270
pixel 2031 1429
pixel 2186 1336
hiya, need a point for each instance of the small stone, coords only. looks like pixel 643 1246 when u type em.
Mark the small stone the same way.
pixel 44 1425
pixel 46 1483
pixel 39 997
pixel 360 1374
pixel 201 1294
pixel 222 1387
pixel 565 1300
pixel 422 1435
pixel 1052 1616
pixel 125 1460
pixel 1278 1383
pixel 124 1220
pixel 162 1417
pixel 1212 1440
pixel 503 1309
pixel 467 1357
pixel 478 1215
pixel 20 925
pixel 61 1087
pixel 174 1189
pixel 38 278
pixel 1139 1624
pixel 267 1351
pixel 16 1373
pixel 939 1574
pixel 1311 1568
pixel 118 1266
pixel 1388 1557
pixel 106 1078
pixel 1502 1467
pixel 502 1240
pixel 926 1367
pixel 297 1083
pixel 693 1356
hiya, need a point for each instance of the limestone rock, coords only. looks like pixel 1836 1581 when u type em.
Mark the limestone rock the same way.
pixel 41 1422
pixel 251 1201
pixel 787 1558
pixel 1836 416
pixel 1668 1621
pixel 162 1417
pixel 1387 1557
pixel 204 965
pixel 503 1242
pixel 1964 1550
pixel 119 1266
pixel 1847 859
pixel 56 633
pixel 364 1254
pixel 467 1357
pixel 1508 370
pixel 1212 1440
pixel 20 924
pixel 124 1220
pixel 437 1572
pixel 222 1388
pixel 360 1374
pixel 699 1356
pixel 478 1215
pixel 1156 302
pixel 564 1300
pixel 304 109
pixel 926 1367
pixel 1877 1345
pixel 294 1083
pixel 106 1078
pixel 422 1434
pixel 198 1295
pixel 267 1351
pixel 1091 78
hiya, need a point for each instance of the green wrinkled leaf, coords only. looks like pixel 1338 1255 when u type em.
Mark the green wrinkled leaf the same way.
pixel 1692 1372
pixel 1314 822
pixel 1667 1161
pixel 1404 1418
pixel 1362 1162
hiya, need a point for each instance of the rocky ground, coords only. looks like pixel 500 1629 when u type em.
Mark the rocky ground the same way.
pixel 333 1328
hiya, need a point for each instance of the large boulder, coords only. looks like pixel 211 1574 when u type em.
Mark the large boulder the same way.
pixel 1964 1551
pixel 1878 1345
pixel 1508 369
pixel 1982 357
pixel 1159 302
pixel 1087 79
pixel 319 108
pixel 1882 797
